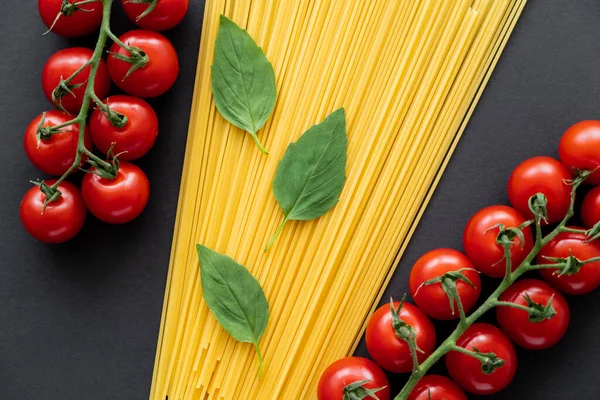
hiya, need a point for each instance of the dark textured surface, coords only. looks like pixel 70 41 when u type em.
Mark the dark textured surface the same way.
pixel 80 321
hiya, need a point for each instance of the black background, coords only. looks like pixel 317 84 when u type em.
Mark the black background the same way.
pixel 80 321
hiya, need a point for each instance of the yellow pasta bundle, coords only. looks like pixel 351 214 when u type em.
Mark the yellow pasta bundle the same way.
pixel 408 73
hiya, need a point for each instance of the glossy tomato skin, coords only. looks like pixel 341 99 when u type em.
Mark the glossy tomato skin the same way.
pixel 579 148
pixel 156 77
pixel 479 241
pixel 436 387
pixel 166 15
pixel 466 370
pixel 132 140
pixel 53 156
pixel 431 298
pixel 590 208
pixel 61 220
pixel 390 352
pixel 118 200
pixel 349 370
pixel 80 23
pixel 588 277
pixel 515 323
pixel 541 175
pixel 63 64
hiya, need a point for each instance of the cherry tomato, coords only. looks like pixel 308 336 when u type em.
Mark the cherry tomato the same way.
pixel 517 324
pixel 348 370
pixel 580 148
pixel 391 352
pixel 154 78
pixel 590 208
pixel 431 298
pixel 479 240
pixel 62 219
pixel 75 21
pixel 466 370
pixel 588 277
pixel 55 155
pixel 541 175
pixel 166 15
pixel 117 200
pixel 63 64
pixel 436 387
pixel 135 138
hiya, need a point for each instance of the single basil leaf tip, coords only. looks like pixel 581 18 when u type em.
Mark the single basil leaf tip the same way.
pixel 311 175
pixel 234 296
pixel 243 80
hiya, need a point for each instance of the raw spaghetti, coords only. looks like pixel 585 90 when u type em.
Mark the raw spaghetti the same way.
pixel 409 74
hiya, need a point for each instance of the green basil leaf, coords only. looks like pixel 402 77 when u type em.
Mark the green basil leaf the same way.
pixel 312 172
pixel 234 296
pixel 243 80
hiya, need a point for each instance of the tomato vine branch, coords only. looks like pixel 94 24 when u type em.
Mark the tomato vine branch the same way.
pixel 88 97
pixel 510 277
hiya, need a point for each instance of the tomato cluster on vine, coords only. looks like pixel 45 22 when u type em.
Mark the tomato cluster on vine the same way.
pixel 122 128
pixel 501 242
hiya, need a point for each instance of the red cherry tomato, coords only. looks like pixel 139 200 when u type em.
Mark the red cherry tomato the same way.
pixel 590 208
pixel 580 148
pixel 153 79
pixel 55 155
pixel 348 370
pixel 431 298
pixel 588 277
pixel 479 240
pixel 436 387
pixel 63 64
pixel 117 200
pixel 166 15
pixel 516 323
pixel 466 370
pixel 75 21
pixel 135 138
pixel 62 218
pixel 541 175
pixel 390 352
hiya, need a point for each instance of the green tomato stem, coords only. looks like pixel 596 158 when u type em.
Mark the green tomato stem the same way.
pixel 89 93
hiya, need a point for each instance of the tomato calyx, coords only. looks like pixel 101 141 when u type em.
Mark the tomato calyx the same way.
pixel 566 265
pixel 489 361
pixel 580 176
pixel 116 119
pixel 506 236
pixel 151 7
pixel 593 233
pixel 356 391
pixel 67 9
pixel 51 193
pixel 404 331
pixel 46 132
pixel 538 205
pixel 63 89
pixel 448 282
pixel 537 312
pixel 106 170
pixel 137 58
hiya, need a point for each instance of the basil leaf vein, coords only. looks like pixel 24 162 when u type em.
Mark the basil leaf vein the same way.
pixel 312 173
pixel 243 80
pixel 234 296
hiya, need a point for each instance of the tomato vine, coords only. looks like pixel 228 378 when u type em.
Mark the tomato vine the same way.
pixel 505 239
pixel 51 191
